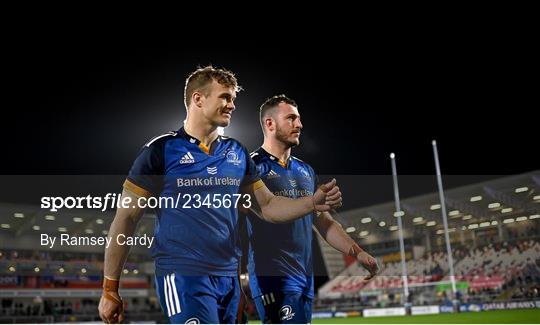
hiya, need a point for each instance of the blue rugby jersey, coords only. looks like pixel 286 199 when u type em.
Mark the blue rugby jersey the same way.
pixel 280 255
pixel 199 236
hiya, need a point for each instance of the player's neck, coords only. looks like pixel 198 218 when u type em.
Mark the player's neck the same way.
pixel 203 132
pixel 277 149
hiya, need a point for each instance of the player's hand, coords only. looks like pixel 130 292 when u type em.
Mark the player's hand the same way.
pixel 369 263
pixel 111 308
pixel 327 197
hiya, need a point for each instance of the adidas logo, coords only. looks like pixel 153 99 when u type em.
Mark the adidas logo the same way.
pixel 187 159
pixel 211 170
pixel 272 174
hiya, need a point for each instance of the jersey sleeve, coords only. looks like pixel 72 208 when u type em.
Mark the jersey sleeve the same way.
pixel 251 177
pixel 145 177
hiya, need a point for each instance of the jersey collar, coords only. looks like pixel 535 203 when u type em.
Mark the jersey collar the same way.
pixel 182 133
pixel 284 164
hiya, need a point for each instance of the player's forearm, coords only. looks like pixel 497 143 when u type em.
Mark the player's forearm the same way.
pixel 333 233
pixel 338 238
pixel 280 209
pixel 125 222
pixel 115 254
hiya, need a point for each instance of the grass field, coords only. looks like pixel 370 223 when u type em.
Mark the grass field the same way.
pixel 519 316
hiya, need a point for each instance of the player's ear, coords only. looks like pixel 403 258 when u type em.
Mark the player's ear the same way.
pixel 197 98
pixel 269 122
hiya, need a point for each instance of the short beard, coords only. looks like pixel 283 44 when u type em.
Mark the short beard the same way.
pixel 284 138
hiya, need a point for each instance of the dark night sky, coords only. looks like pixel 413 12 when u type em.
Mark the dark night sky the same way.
pixel 86 107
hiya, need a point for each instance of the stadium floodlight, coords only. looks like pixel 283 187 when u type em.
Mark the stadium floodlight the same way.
pixel 364 233
pixel 89 231
pixel 494 205
pixel 12 269
pixel 36 227
pixel 441 231
pixel 435 207
pixel 467 217
pixel 5 225
pixel 536 197
pixel 126 271
pixel 77 219
pixel 382 224
pixel 62 229
pixel 83 270
pixel 350 229
pixel 366 220
pixel 534 216
pixel 18 215
pixel 506 210
pixel 453 213
pixel 476 198
pixel 431 223
pixel 393 228
pixel 473 226
pixel 484 224
pixel 521 219
pixel 36 269
pixel 418 219
pixel 399 214
pixel 99 221
pixel 105 232
pixel 463 227
pixel 137 272
pixel 49 217
pixel 61 270
pixel 521 189
pixel 510 220
pixel 494 223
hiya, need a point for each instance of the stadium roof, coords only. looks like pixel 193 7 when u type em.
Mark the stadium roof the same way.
pixel 489 204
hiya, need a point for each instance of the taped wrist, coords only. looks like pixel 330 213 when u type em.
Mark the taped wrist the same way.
pixel 355 250
pixel 110 284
